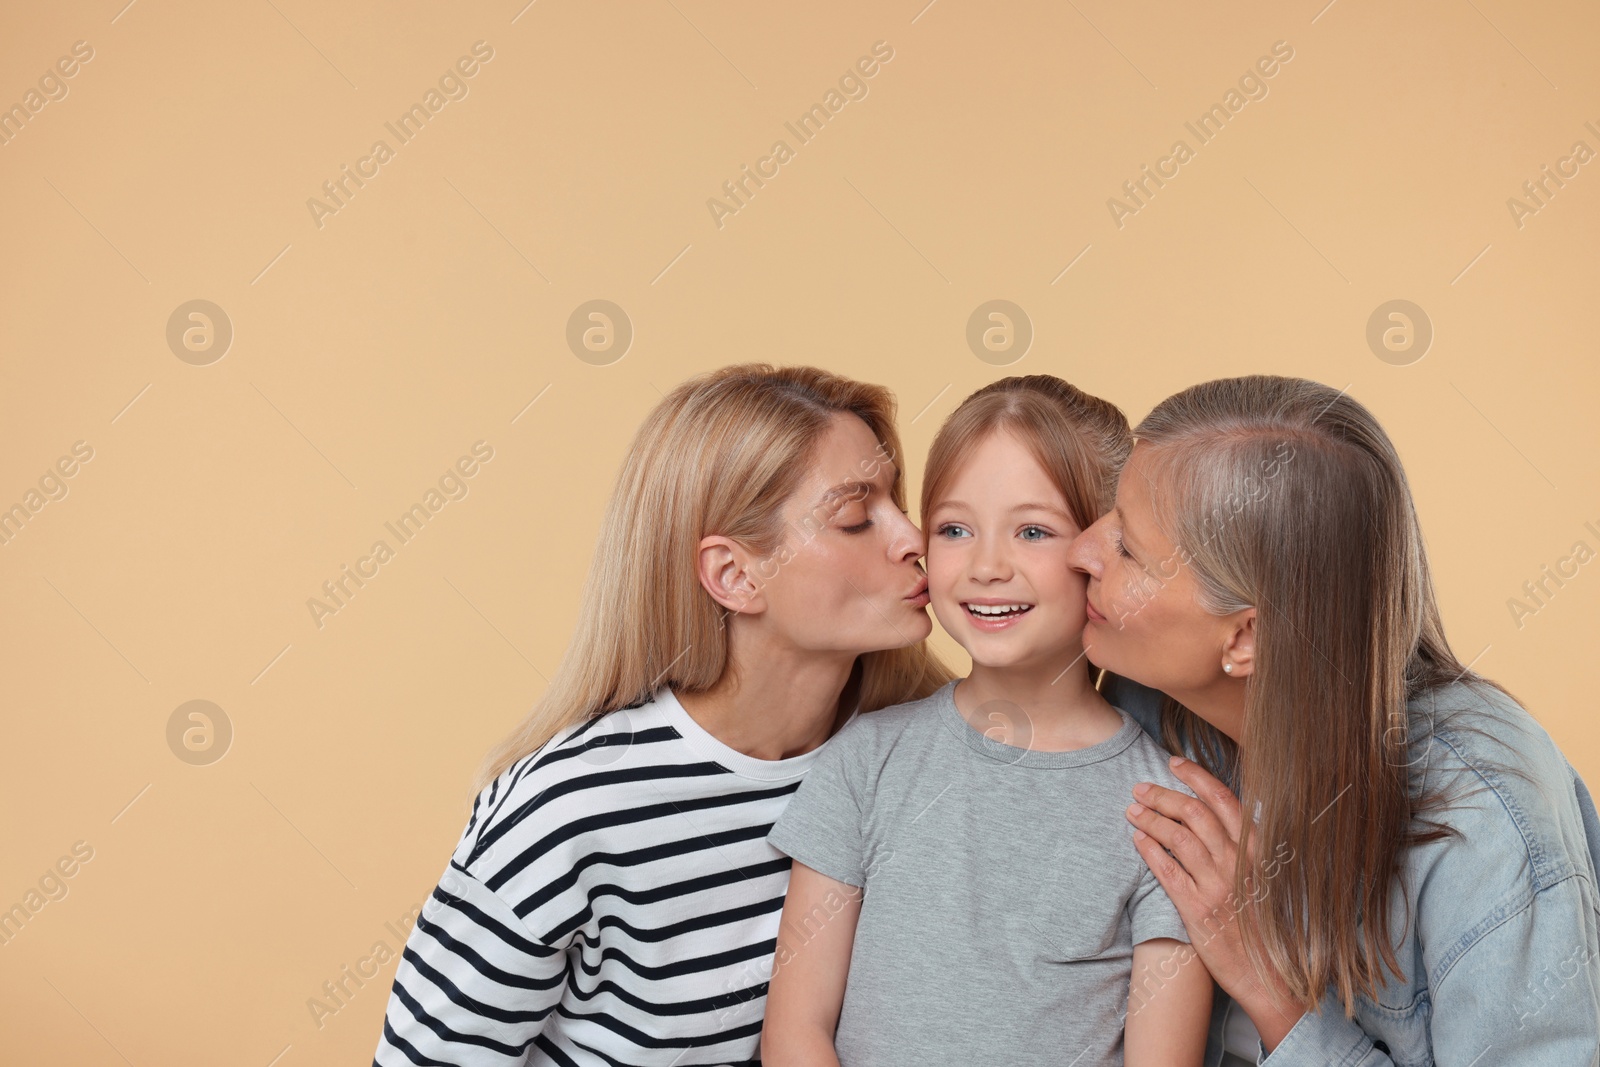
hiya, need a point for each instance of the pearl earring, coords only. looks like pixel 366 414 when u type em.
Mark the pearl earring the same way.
pixel 1227 668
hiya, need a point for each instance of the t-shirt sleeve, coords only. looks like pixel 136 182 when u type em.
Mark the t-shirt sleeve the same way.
pixel 822 825
pixel 1150 911
pixel 1152 914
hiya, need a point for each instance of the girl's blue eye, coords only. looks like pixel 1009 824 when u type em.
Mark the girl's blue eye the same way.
pixel 950 530
pixel 1039 530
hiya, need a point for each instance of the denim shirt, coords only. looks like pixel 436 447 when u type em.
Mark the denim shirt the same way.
pixel 1502 956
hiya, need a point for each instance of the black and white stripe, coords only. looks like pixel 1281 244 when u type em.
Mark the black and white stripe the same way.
pixel 613 901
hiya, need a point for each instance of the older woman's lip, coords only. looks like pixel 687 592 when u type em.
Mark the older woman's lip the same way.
pixel 1094 616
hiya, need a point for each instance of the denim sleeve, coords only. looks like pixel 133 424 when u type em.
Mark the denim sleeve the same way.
pixel 1139 701
pixel 1527 990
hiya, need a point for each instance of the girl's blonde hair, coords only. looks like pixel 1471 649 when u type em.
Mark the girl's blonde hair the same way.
pixel 1080 441
pixel 720 455
pixel 1286 495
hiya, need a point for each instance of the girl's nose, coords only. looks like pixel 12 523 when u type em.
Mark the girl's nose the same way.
pixel 989 562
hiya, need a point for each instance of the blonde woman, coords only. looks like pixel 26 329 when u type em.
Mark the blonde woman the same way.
pixel 1415 882
pixel 613 898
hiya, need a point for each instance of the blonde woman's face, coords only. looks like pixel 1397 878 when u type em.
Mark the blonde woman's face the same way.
pixel 997 561
pixel 1145 620
pixel 846 577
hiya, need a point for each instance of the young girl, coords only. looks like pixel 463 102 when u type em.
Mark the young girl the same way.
pixel 964 887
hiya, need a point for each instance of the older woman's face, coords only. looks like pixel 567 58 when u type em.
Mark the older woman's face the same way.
pixel 846 577
pixel 1145 620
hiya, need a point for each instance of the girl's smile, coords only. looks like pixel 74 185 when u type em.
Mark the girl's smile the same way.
pixel 992 614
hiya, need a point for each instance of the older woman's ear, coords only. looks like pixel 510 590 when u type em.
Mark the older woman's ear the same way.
pixel 1239 647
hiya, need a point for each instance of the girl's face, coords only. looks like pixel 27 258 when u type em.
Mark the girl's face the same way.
pixel 845 577
pixel 1145 620
pixel 997 561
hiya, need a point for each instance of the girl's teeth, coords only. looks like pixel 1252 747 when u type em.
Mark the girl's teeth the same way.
pixel 997 610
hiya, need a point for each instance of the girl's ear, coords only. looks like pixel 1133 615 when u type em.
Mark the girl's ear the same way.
pixel 1239 647
pixel 726 571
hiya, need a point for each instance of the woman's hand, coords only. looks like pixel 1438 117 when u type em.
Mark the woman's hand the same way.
pixel 1202 833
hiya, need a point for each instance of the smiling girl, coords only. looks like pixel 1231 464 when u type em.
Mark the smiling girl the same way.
pixel 964 889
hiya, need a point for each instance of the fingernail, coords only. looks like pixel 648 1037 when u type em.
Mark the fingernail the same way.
pixel 1176 761
pixel 1141 789
pixel 1136 809
pixel 1139 835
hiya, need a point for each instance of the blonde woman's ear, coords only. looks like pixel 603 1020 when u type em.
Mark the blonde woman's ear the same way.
pixel 725 571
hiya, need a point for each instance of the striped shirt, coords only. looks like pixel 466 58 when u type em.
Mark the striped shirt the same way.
pixel 613 901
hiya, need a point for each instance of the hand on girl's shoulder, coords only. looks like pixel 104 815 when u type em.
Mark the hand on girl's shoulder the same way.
pixel 1150 762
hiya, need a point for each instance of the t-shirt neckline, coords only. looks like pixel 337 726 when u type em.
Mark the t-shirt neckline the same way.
pixel 740 763
pixel 945 702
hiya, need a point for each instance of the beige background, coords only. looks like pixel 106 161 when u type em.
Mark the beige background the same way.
pixel 431 311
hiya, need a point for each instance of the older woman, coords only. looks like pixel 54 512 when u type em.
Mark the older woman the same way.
pixel 1407 872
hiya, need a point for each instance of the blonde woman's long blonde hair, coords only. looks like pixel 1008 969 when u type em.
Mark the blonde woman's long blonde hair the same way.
pixel 1286 495
pixel 720 455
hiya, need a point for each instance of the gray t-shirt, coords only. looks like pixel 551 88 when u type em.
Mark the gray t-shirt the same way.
pixel 1003 892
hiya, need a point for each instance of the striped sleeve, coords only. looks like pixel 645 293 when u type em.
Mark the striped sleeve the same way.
pixel 473 986
pixel 612 902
